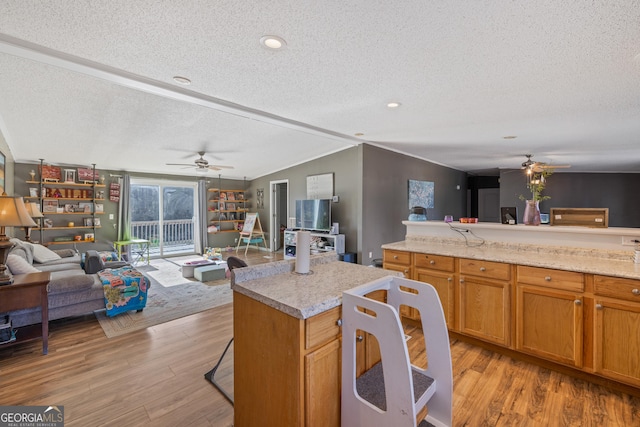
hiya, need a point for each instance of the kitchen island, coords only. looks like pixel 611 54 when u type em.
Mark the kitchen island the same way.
pixel 287 351
pixel 567 297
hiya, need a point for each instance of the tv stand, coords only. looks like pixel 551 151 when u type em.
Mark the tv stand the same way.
pixel 320 242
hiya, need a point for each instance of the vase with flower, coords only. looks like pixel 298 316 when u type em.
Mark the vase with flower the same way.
pixel 536 183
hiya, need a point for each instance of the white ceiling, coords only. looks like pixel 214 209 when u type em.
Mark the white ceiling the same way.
pixel 91 82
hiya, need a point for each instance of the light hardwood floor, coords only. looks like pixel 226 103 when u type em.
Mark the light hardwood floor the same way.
pixel 155 377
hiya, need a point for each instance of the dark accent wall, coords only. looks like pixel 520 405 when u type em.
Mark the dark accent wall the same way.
pixel 385 196
pixel 347 177
pixel 616 191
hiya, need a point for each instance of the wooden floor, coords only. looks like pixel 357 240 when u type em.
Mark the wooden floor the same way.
pixel 155 377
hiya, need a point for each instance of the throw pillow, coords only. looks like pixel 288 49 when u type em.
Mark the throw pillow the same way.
pixel 19 265
pixel 42 254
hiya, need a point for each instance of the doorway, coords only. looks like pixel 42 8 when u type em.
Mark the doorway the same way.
pixel 164 213
pixel 278 212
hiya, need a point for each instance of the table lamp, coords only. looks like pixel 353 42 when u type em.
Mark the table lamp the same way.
pixel 13 213
pixel 34 212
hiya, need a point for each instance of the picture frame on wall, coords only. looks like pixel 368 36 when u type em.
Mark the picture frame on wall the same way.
pixel 50 206
pixel 70 175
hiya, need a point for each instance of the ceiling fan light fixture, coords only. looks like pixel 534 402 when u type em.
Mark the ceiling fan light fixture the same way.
pixel 393 104
pixel 273 42
pixel 202 171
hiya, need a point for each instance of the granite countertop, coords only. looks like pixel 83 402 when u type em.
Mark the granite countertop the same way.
pixel 303 296
pixel 593 261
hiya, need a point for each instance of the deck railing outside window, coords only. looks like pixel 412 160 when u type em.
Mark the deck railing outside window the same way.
pixel 176 234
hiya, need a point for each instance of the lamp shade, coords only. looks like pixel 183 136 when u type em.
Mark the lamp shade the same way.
pixel 13 213
pixel 34 211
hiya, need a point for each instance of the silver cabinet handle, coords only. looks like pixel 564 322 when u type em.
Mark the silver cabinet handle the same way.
pixel 395 257
pixel 339 322
pixel 449 279
pixel 483 269
pixel 547 278
pixel 599 306
pixel 359 338
pixel 461 280
pixel 577 302
pixel 432 262
pixel 636 291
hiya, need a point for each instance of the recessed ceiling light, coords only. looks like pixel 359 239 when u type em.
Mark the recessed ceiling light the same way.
pixel 509 137
pixel 273 42
pixel 393 104
pixel 359 134
pixel 182 80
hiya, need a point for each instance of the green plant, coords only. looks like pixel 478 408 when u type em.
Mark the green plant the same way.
pixel 536 183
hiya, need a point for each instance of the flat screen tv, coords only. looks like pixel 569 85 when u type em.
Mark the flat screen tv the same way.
pixel 313 214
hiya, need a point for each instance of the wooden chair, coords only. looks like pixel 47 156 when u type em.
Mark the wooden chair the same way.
pixel 394 392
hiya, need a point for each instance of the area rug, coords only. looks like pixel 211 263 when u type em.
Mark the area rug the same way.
pixel 170 297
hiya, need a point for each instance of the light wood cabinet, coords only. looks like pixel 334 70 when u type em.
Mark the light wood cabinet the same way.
pixel 549 324
pixel 297 361
pixel 397 261
pixel 617 328
pixel 485 309
pixel 439 272
pixel 549 314
pixel 585 321
pixel 400 261
pixel 485 300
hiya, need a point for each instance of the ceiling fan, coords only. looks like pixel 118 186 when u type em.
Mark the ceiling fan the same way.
pixel 201 164
pixel 537 167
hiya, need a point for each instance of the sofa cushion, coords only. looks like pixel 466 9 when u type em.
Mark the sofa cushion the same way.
pixel 22 249
pixel 59 266
pixel 43 255
pixel 65 253
pixel 70 281
pixel 19 265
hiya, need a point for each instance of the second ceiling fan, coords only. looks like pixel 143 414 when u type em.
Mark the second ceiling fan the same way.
pixel 201 164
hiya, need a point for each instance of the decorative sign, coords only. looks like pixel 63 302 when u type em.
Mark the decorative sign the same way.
pixel 114 192
pixel 87 175
pixel 50 173
pixel 320 186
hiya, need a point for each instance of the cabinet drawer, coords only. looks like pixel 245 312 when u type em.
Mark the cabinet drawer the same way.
pixel 487 269
pixel 397 257
pixel 550 278
pixel 616 287
pixel 322 327
pixel 433 262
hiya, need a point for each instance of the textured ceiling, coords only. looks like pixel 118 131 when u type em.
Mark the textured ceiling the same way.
pixel 92 82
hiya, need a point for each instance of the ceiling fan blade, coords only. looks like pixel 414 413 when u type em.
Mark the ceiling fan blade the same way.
pixel 218 167
pixel 179 164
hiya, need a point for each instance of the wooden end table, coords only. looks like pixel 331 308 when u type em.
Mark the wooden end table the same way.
pixel 28 290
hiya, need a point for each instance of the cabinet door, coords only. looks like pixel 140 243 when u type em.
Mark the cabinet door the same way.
pixel 485 309
pixel 404 269
pixel 444 285
pixel 617 340
pixel 549 324
pixel 322 388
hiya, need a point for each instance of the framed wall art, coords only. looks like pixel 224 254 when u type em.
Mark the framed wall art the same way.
pixel 421 193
